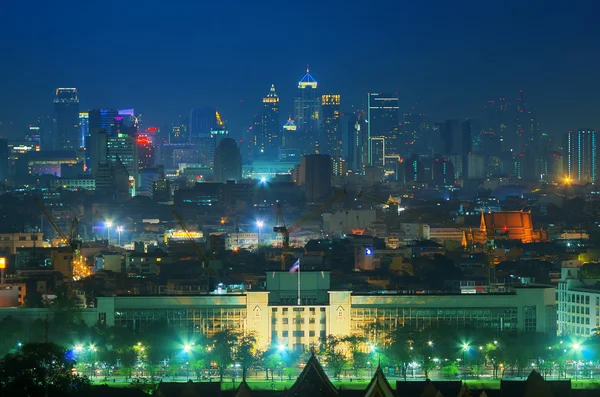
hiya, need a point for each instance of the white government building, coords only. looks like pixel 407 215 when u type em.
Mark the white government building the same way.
pixel 276 318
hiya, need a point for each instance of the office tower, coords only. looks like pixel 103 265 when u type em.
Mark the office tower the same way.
pixel 476 166
pixel 383 121
pixel 97 149
pixel 202 121
pixel 414 170
pixel 581 163
pixel 415 133
pixel 456 142
pixel 123 149
pixel 307 106
pixel 290 135
pixel 105 119
pixel 498 125
pixel 84 128
pixel 378 148
pixel 228 161
pixel 331 126
pixel 358 143
pixel 443 171
pixel 179 130
pixel 317 176
pixel 145 152
pixel 269 140
pixel 66 119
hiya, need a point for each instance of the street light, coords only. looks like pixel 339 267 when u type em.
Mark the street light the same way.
pixel 260 224
pixel 119 230
pixel 465 350
pixel 108 225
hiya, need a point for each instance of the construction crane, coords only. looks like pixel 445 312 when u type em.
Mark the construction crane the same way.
pixel 282 229
pixel 78 269
pixel 199 251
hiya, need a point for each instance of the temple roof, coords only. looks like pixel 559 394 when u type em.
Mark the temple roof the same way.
pixel 379 386
pixel 243 390
pixel 313 382
pixel 506 219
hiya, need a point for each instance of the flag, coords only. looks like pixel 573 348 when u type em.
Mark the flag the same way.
pixel 295 266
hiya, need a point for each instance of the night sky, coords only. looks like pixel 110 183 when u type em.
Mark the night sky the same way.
pixel 164 57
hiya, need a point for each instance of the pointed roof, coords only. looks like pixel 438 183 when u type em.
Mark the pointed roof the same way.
pixel 313 382
pixel 429 391
pixel 307 81
pixel 243 390
pixel 289 125
pixel 379 386
pixel 535 385
pixel 464 391
pixel 272 96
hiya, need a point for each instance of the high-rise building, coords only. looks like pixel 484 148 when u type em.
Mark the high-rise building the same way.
pixel 84 128
pixel 581 163
pixel 456 142
pixel 414 170
pixel 123 149
pixel 228 161
pixel 317 176
pixel 97 150
pixel 358 138
pixel 415 133
pixel 443 171
pixel 307 106
pixel 145 152
pixel 4 153
pixel 383 121
pixel 66 119
pixel 290 135
pixel 202 121
pixel 331 126
pixel 269 139
pixel 106 119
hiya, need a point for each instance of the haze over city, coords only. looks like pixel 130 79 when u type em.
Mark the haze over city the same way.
pixel 164 59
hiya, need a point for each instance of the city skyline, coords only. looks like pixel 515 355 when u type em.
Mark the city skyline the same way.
pixel 475 68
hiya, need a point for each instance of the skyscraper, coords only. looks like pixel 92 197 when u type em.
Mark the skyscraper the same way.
pixel 331 127
pixel 228 161
pixel 270 135
pixel 106 119
pixel 84 128
pixel 581 163
pixel 202 121
pixel 66 119
pixel 307 107
pixel 317 176
pixel 357 148
pixel 383 121
pixel 122 149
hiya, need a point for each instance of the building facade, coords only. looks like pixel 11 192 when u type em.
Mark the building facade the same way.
pixel 578 303
pixel 581 163
pixel 383 121
pixel 66 120
pixel 307 107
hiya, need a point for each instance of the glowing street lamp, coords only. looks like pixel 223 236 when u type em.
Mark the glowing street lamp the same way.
pixel 119 230
pixel 281 348
pixel 108 225
pixel 260 225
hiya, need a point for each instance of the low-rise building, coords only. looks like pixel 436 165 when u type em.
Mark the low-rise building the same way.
pixel 578 302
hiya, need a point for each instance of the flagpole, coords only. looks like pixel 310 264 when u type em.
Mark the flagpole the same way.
pixel 298 282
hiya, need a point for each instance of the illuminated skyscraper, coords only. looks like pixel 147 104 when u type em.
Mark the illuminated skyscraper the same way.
pixel 581 145
pixel 290 135
pixel 145 152
pixel 66 119
pixel 331 127
pixel 307 106
pixel 84 127
pixel 269 140
pixel 383 121
pixel 123 149
pixel 105 119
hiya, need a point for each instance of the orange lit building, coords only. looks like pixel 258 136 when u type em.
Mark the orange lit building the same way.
pixel 506 225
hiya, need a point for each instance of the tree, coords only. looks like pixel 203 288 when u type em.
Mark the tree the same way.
pixel 198 366
pixel 246 352
pixel 223 343
pixel 402 349
pixel 39 369
pixel 332 350
pixel 272 361
pixel 449 370
pixel 359 358
pixel 128 358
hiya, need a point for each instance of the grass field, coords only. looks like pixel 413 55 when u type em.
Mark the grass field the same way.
pixel 486 384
